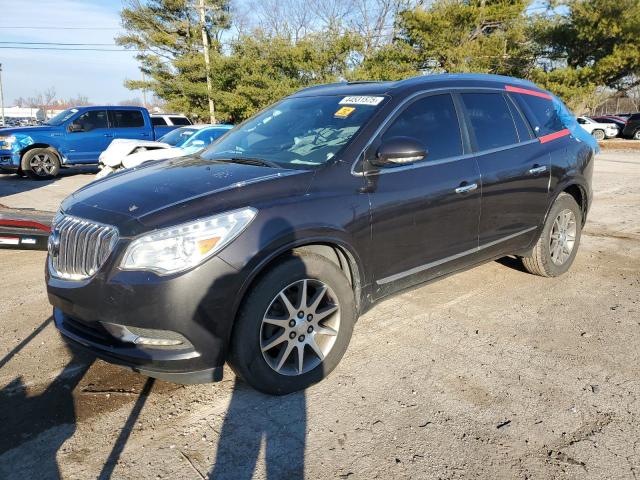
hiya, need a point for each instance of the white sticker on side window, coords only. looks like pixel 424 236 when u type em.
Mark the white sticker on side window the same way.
pixel 361 100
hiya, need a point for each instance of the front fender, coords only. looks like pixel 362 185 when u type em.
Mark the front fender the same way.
pixel 280 240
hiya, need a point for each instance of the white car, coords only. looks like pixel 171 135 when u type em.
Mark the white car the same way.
pixel 122 154
pixel 171 119
pixel 600 131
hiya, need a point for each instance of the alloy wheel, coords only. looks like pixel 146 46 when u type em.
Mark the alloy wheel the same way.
pixel 300 327
pixel 563 236
pixel 42 164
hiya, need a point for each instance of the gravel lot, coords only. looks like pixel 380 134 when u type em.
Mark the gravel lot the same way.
pixel 491 373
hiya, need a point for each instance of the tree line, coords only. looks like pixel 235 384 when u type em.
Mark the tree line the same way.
pixel 585 51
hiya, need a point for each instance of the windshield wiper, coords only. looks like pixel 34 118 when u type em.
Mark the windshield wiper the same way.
pixel 248 161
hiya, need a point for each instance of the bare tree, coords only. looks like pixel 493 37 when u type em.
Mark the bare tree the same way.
pixel 132 102
pixel 373 20
pixel 287 18
pixel 48 97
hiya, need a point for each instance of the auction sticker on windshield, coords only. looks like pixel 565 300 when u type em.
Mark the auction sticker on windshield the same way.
pixel 344 112
pixel 361 100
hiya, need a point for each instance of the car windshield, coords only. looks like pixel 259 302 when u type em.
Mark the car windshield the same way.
pixel 298 132
pixel 178 136
pixel 62 117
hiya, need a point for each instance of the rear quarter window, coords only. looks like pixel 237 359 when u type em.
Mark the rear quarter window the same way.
pixel 180 120
pixel 541 113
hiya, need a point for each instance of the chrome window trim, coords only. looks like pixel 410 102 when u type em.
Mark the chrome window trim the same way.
pixel 426 163
pixel 427 266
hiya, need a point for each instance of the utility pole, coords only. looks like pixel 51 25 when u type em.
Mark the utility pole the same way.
pixel 144 92
pixel 1 98
pixel 205 44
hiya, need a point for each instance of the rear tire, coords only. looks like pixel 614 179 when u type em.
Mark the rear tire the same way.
pixel 558 243
pixel 636 135
pixel 265 319
pixel 599 135
pixel 41 163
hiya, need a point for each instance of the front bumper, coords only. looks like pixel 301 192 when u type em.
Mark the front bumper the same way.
pixel 197 305
pixel 610 132
pixel 9 161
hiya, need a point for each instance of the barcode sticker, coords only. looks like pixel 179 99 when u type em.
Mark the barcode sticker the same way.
pixel 361 100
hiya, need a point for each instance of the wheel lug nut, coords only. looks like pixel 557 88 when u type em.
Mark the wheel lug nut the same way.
pixel 310 329
pixel 292 323
pixel 309 317
pixel 292 335
pixel 300 314
pixel 301 338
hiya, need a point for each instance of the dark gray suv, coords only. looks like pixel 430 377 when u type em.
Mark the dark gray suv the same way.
pixel 264 249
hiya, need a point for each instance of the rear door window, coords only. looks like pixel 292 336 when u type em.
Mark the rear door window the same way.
pixel 524 131
pixel 542 114
pixel 127 118
pixel 432 121
pixel 490 120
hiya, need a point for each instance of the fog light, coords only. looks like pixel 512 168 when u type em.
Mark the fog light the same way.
pixel 156 341
pixel 123 334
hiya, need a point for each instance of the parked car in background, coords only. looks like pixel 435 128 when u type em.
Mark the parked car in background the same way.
pixel 264 249
pixel 632 127
pixel 75 136
pixel 181 142
pixel 600 131
pixel 619 122
pixel 169 119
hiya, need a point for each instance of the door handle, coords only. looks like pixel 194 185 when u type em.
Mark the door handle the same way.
pixel 466 188
pixel 110 135
pixel 537 170
pixel 144 134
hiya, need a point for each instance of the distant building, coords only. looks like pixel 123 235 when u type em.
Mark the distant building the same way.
pixel 30 113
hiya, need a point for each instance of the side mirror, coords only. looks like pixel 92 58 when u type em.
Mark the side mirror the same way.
pixel 74 127
pixel 400 151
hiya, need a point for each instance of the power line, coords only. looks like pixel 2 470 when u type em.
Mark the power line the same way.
pixel 70 49
pixel 56 28
pixel 64 44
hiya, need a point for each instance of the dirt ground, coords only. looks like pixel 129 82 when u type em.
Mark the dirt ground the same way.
pixel 491 373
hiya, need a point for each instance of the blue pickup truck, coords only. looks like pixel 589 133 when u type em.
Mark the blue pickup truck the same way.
pixel 75 136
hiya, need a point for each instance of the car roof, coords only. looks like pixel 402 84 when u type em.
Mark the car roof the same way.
pixel 426 82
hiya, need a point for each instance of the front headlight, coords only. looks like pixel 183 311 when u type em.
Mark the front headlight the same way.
pixel 178 248
pixel 7 142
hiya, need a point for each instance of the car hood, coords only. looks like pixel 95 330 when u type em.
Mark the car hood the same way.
pixel 28 130
pixel 138 158
pixel 168 192
pixel 120 148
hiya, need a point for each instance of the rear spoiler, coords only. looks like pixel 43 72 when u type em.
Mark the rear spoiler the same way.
pixel 25 229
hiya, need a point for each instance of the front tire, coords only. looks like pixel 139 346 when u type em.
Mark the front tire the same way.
pixel 294 325
pixel 636 135
pixel 557 246
pixel 41 163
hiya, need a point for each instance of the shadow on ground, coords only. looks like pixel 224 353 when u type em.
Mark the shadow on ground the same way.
pixel 12 184
pixel 254 421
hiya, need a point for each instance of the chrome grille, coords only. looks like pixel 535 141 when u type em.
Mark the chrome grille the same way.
pixel 78 247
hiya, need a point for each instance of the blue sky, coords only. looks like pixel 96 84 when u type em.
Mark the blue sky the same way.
pixel 98 75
